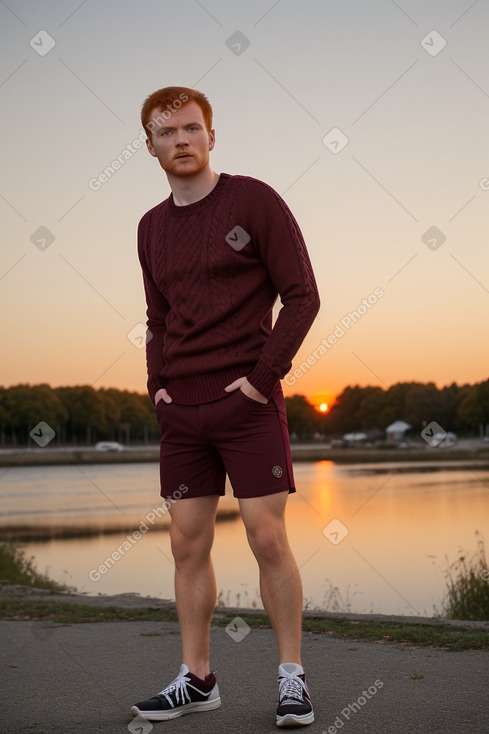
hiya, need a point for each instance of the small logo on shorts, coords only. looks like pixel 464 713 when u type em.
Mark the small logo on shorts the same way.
pixel 277 471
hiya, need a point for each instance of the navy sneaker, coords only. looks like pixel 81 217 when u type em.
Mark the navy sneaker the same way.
pixel 184 695
pixel 294 702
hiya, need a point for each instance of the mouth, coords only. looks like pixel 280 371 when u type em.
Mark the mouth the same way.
pixel 183 155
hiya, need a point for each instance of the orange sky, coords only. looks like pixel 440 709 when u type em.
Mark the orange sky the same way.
pixel 401 208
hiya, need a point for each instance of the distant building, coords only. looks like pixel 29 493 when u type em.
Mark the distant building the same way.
pixel 395 432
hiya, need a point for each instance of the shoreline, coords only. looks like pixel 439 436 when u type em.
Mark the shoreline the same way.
pixel 300 452
pixel 43 533
pixel 134 602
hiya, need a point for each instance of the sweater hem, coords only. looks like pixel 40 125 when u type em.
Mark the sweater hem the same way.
pixel 197 389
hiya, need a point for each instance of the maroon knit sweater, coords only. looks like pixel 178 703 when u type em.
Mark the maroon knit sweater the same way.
pixel 212 271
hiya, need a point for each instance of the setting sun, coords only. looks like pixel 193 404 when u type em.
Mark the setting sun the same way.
pixel 323 407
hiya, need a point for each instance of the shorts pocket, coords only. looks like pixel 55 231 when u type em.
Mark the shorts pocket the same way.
pixel 160 409
pixel 251 400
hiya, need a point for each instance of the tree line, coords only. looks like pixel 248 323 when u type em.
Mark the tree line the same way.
pixel 83 415
pixel 461 409
pixel 464 410
pixel 79 415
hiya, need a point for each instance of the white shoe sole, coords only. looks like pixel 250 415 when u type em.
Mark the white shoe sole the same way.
pixel 294 720
pixel 189 708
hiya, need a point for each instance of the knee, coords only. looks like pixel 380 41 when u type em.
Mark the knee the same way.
pixel 267 542
pixel 190 547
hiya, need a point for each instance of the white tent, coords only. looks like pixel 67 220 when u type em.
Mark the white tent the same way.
pixel 396 430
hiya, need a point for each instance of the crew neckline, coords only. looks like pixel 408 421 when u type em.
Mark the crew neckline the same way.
pixel 201 203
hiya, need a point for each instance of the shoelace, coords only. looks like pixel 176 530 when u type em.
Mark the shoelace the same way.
pixel 291 689
pixel 179 687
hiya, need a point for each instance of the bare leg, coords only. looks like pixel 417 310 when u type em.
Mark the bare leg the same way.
pixel 192 535
pixel 280 582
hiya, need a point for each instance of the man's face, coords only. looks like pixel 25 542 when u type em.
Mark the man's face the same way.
pixel 181 142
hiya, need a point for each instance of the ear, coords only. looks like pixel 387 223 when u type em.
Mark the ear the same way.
pixel 149 146
pixel 212 139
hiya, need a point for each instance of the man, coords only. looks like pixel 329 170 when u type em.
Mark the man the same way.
pixel 214 257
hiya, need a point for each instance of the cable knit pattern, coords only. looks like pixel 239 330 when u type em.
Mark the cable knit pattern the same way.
pixel 212 272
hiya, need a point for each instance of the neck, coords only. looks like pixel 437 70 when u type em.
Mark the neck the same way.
pixel 189 189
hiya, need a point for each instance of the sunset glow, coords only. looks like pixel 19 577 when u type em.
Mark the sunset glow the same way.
pixel 363 172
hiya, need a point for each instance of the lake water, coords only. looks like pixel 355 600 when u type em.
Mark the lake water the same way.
pixel 391 531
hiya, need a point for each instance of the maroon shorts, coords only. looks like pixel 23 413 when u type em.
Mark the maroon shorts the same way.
pixel 235 435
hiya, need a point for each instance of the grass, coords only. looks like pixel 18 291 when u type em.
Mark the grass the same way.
pixel 451 638
pixel 17 569
pixel 61 612
pixel 467 581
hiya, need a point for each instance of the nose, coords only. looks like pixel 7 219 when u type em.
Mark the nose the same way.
pixel 181 137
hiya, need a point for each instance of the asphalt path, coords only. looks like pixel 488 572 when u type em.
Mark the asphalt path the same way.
pixel 85 677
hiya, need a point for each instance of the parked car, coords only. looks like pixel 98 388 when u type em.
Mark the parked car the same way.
pixel 445 439
pixel 108 446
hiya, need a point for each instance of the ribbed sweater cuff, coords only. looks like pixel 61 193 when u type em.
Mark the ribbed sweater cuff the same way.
pixel 263 379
